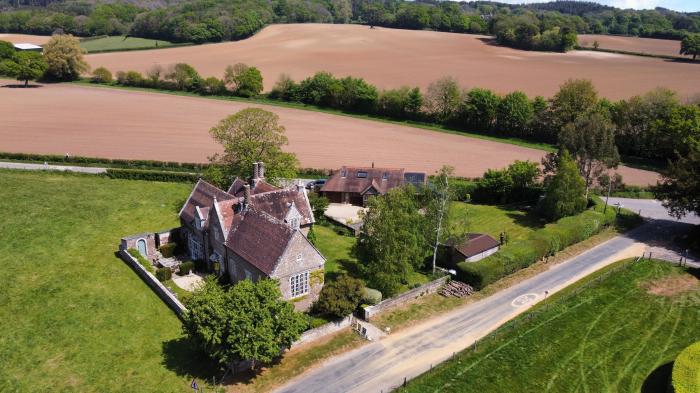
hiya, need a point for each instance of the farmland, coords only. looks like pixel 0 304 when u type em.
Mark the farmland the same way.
pixel 74 316
pixel 423 56
pixel 616 336
pixel 144 125
pixel 632 44
pixel 117 43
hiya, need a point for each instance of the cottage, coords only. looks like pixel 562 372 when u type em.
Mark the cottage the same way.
pixel 354 185
pixel 254 231
pixel 475 247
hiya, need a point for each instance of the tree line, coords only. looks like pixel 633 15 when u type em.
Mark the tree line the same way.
pixel 551 27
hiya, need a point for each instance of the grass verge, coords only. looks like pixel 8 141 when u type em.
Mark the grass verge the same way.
pixel 611 336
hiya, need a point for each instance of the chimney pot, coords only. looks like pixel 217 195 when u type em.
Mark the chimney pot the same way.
pixel 256 171
pixel 246 195
pixel 261 170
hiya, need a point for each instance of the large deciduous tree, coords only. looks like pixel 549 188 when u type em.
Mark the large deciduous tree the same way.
pixel 249 136
pixel 249 321
pixel 515 113
pixel 339 298
pixel 243 80
pixel 575 97
pixel 565 190
pixel 392 241
pixel 64 57
pixel 591 141
pixel 26 66
pixel 443 98
pixel 679 188
pixel 690 45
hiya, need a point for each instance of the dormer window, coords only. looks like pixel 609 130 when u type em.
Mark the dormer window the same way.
pixel 343 173
pixel 385 176
pixel 362 174
pixel 198 223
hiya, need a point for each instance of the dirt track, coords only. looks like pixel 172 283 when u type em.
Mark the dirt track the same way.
pixel 392 58
pixel 104 122
pixel 632 44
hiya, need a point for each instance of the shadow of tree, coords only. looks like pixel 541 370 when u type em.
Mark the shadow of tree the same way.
pixel 659 380
pixel 183 357
pixel 21 86
pixel 528 219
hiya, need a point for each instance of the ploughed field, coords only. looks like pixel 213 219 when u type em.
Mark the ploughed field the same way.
pixel 652 46
pixel 115 123
pixel 392 58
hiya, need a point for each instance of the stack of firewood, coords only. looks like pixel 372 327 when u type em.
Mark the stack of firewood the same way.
pixel 456 289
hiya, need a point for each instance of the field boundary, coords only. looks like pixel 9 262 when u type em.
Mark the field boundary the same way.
pixel 679 59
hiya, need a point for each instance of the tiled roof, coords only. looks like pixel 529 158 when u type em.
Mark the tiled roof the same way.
pixel 203 196
pixel 259 238
pixel 226 209
pixel 261 186
pixel 358 180
pixel 476 243
pixel 277 203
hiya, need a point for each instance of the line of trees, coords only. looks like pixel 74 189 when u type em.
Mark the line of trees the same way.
pixel 532 26
pixel 61 60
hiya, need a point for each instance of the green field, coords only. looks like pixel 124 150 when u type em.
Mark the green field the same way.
pixel 74 317
pixel 614 336
pixel 493 220
pixel 119 43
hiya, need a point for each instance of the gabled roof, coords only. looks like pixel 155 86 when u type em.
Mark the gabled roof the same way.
pixel 359 179
pixel 259 238
pixel 203 196
pixel 277 204
pixel 476 243
pixel 225 211
pixel 259 187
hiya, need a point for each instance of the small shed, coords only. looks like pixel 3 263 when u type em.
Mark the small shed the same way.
pixel 28 47
pixel 475 247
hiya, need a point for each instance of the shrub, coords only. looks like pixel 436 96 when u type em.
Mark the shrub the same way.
pixel 542 243
pixel 164 274
pixel 371 296
pixel 141 260
pixel 340 297
pixel 136 174
pixel 462 189
pixel 168 249
pixel 101 75
pixel 130 78
pixel 186 268
pixel 686 372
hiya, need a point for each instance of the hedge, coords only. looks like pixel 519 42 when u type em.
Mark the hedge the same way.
pixel 141 260
pixel 371 296
pixel 130 164
pixel 186 268
pixel 686 370
pixel 539 244
pixel 137 174
pixel 168 249
pixel 164 274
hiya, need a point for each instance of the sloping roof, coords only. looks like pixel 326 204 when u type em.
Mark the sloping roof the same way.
pixel 237 187
pixel 203 196
pixel 260 187
pixel 476 243
pixel 358 179
pixel 259 238
pixel 227 209
pixel 277 203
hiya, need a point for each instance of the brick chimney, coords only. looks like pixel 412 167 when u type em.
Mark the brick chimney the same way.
pixel 261 170
pixel 256 171
pixel 246 196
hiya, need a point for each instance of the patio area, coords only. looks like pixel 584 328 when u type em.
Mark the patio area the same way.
pixel 188 282
pixel 345 214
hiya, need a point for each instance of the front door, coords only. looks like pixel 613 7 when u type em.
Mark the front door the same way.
pixel 141 244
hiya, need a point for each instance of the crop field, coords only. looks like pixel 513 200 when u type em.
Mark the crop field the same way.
pixel 116 123
pixel 392 58
pixel 74 317
pixel 620 335
pixel 632 44
pixel 116 43
pixel 25 38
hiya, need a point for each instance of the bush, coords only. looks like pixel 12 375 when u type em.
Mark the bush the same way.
pixel 339 298
pixel 686 370
pixel 141 260
pixel 164 274
pixel 168 249
pixel 130 78
pixel 462 189
pixel 101 75
pixel 539 244
pixel 136 174
pixel 186 268
pixel 371 296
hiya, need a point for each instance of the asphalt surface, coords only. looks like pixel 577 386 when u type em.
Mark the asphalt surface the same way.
pixel 48 167
pixel 382 366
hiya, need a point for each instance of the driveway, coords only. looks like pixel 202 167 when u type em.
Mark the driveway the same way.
pixel 383 365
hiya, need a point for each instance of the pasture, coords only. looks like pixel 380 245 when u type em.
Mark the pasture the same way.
pixel 616 336
pixel 390 58
pixel 120 43
pixel 147 125
pixel 74 317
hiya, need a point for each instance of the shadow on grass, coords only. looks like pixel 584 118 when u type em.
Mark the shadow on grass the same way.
pixel 183 357
pixel 528 219
pixel 658 380
pixel 21 86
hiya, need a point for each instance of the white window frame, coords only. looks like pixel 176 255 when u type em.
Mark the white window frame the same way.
pixel 299 284
pixel 195 247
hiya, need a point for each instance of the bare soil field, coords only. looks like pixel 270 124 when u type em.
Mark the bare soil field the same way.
pixel 103 122
pixel 391 58
pixel 632 44
pixel 25 38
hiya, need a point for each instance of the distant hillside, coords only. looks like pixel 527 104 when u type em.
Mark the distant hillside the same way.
pixel 543 26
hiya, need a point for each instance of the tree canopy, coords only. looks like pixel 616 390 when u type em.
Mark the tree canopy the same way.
pixel 565 190
pixel 340 297
pixel 690 45
pixel 64 57
pixel 679 188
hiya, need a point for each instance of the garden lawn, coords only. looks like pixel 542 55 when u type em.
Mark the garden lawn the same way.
pixel 74 317
pixel 615 336
pixel 117 43
pixel 493 220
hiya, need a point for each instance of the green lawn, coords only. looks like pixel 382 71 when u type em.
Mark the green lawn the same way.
pixel 612 337
pixel 493 220
pixel 74 317
pixel 117 43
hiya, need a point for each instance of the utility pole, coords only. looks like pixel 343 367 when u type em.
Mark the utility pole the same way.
pixel 441 213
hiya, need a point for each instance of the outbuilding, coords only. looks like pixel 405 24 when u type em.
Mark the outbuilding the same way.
pixel 475 247
pixel 28 47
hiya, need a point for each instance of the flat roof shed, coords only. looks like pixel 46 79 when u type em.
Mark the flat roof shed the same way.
pixel 27 46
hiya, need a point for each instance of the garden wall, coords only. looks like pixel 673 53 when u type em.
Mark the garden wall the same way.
pixel 153 282
pixel 323 330
pixel 396 301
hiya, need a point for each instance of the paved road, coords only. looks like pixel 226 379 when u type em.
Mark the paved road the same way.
pixel 382 366
pixel 40 167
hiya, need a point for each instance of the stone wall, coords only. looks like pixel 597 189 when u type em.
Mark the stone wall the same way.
pixel 396 301
pixel 131 242
pixel 153 282
pixel 323 330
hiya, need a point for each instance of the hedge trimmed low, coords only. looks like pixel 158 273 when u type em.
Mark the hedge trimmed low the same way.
pixel 164 274
pixel 186 268
pixel 167 250
pixel 131 164
pixel 686 370
pixel 539 244
pixel 141 260
pixel 136 174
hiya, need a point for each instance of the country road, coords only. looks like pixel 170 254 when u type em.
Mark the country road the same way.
pixel 382 366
